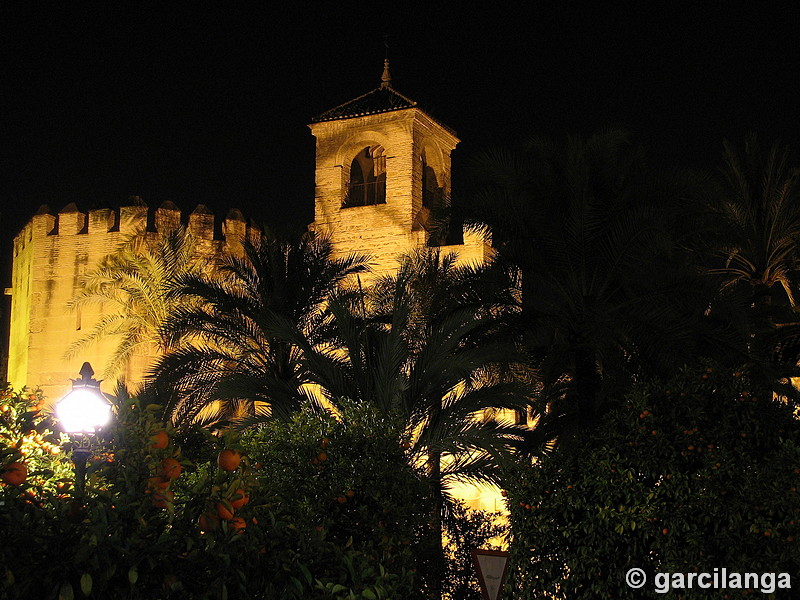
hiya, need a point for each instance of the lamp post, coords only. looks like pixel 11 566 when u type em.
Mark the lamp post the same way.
pixel 82 413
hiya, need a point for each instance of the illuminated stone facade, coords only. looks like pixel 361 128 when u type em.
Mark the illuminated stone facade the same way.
pixel 53 252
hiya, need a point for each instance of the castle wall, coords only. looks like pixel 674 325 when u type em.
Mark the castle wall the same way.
pixel 51 255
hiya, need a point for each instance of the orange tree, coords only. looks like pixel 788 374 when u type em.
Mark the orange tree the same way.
pixel 30 441
pixel 688 475
pixel 347 482
pixel 149 524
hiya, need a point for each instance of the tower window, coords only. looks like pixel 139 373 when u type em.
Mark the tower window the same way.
pixel 432 194
pixel 433 203
pixel 367 184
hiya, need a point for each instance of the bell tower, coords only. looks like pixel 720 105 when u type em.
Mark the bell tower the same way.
pixel 382 165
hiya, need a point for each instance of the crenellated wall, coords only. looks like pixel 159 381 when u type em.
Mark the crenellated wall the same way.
pixel 53 252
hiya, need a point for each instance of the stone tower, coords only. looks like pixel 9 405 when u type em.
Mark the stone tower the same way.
pixel 382 166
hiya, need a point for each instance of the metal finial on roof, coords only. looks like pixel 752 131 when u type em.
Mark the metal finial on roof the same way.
pixel 386 79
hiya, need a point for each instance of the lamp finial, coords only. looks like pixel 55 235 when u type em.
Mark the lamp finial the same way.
pixel 86 372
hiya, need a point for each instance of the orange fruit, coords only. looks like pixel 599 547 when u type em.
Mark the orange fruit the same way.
pixel 171 468
pixel 208 521
pixel 159 440
pixel 15 473
pixel 228 460
pixel 237 525
pixel 158 483
pixel 322 456
pixel 349 493
pixel 223 511
pixel 161 498
pixel 324 443
pixel 239 502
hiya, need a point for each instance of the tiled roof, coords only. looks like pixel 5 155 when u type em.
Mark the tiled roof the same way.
pixel 380 100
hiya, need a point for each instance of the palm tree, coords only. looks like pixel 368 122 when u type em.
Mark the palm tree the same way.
pixel 758 222
pixel 235 335
pixel 605 293
pixel 753 250
pixel 428 350
pixel 132 286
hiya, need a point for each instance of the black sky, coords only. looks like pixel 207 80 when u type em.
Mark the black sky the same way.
pixel 209 102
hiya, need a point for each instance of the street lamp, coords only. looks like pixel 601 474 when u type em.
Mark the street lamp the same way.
pixel 82 413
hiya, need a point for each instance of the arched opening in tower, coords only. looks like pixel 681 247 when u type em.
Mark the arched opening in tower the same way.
pixel 367 181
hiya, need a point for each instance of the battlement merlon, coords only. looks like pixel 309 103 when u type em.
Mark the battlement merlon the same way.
pixel 201 223
pixel 133 219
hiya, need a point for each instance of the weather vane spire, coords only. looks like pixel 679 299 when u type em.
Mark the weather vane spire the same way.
pixel 386 78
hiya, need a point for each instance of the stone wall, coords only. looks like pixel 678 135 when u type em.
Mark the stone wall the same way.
pixel 53 252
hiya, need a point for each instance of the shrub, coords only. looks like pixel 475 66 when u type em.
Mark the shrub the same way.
pixel 696 473
pixel 136 533
pixel 347 482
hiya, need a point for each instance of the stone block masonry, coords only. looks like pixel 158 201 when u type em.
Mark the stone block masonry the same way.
pixel 54 251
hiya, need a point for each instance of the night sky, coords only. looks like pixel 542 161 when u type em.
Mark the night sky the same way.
pixel 210 103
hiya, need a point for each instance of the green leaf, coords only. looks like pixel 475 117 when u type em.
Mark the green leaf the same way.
pixel 133 575
pixel 66 592
pixel 369 594
pixel 306 574
pixel 86 584
pixel 297 584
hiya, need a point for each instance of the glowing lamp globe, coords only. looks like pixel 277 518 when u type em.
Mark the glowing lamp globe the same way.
pixel 84 409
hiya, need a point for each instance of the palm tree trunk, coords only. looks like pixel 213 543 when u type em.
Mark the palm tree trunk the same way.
pixel 437 507
pixel 587 381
